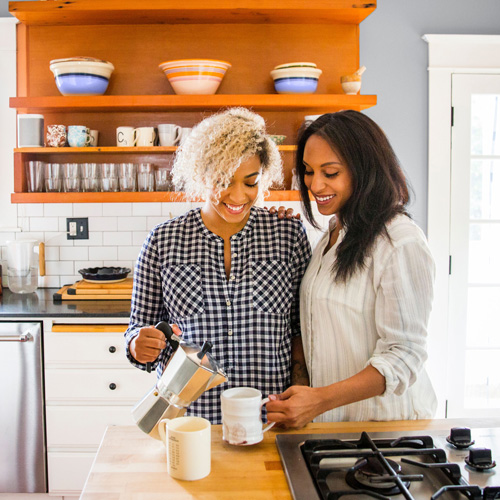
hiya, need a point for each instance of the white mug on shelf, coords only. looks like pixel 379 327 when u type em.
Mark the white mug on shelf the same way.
pixel 29 131
pixel 168 133
pixel 242 416
pixel 126 136
pixel 184 134
pixel 145 136
pixel 188 446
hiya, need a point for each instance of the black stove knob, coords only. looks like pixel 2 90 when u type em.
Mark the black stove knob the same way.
pixel 480 459
pixel 460 437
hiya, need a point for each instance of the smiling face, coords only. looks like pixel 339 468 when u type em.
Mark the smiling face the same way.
pixel 229 213
pixel 326 176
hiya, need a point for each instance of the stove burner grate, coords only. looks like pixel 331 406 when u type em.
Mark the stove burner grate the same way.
pixel 364 466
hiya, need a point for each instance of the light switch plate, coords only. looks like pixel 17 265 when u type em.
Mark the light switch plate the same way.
pixel 77 229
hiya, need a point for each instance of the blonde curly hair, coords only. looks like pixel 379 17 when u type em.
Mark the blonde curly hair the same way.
pixel 208 159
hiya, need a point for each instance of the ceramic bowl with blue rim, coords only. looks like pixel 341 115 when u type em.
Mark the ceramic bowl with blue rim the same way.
pixel 81 75
pixel 295 79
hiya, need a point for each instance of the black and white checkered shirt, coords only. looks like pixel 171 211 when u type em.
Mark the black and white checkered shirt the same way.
pixel 250 319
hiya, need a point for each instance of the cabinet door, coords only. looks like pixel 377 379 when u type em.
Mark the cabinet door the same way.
pixel 107 386
pixel 68 471
pixel 85 348
pixel 83 426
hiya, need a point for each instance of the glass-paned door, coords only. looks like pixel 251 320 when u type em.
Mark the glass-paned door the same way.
pixel 474 334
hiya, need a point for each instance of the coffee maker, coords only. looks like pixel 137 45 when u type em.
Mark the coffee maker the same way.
pixel 190 372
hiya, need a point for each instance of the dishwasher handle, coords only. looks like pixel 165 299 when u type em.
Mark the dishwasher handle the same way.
pixel 23 337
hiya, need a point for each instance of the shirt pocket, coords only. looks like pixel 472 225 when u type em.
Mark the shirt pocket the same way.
pixel 183 291
pixel 271 280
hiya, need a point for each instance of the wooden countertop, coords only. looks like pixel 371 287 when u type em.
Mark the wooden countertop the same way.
pixel 132 466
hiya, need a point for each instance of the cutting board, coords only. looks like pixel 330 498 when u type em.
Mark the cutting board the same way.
pixel 85 288
pixel 63 294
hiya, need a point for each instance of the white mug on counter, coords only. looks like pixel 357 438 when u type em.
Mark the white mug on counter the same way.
pixel 188 447
pixel 242 416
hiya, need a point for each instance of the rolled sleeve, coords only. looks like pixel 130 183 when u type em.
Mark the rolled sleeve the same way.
pixel 402 308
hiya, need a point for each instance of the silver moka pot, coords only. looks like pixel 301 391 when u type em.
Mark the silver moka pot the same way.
pixel 190 372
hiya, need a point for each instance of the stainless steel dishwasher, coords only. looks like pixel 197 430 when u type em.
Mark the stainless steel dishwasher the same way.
pixel 22 420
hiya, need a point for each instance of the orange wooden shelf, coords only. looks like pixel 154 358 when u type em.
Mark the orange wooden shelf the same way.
pixel 113 149
pixel 94 12
pixel 260 102
pixel 157 196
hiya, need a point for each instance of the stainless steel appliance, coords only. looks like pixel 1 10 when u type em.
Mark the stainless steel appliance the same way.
pixel 190 371
pixel 393 466
pixel 22 434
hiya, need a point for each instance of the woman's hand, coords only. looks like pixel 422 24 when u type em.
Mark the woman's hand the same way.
pixel 283 213
pixel 295 407
pixel 149 343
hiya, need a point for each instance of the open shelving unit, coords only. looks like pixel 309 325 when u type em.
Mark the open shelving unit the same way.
pixel 253 35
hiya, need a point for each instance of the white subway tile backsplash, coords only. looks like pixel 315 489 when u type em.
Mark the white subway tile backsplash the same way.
pixel 24 223
pixel 83 264
pixel 103 224
pixel 95 240
pixel 121 263
pixel 30 235
pixel 57 239
pixel 130 253
pixel 154 221
pixel 58 210
pixel 44 224
pixel 69 279
pixel 146 209
pixel 119 209
pixel 74 253
pixel 87 209
pixel 5 237
pixel 49 281
pixel 30 210
pixel 170 210
pixel 59 268
pixel 103 253
pixel 117 238
pixel 132 223
pixel 52 253
pixel 139 237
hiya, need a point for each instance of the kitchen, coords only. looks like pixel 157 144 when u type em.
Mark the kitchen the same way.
pixel 118 229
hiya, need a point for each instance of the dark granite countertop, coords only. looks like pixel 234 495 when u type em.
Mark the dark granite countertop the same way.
pixel 41 304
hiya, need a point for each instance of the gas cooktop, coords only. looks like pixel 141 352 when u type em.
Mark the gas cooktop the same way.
pixel 454 465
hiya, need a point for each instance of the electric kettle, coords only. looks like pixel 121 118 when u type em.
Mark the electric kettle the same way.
pixel 190 372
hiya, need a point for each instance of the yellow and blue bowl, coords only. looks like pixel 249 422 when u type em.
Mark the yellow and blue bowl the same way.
pixel 195 76
pixel 296 78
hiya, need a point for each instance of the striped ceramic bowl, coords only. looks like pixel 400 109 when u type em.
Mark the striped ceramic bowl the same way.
pixel 195 76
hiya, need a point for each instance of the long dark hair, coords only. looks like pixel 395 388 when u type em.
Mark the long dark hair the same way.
pixel 379 186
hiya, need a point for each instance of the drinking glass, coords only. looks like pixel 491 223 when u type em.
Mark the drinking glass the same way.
pixel 163 179
pixel 90 177
pixel 127 176
pixel 53 177
pixel 34 176
pixel 71 177
pixel 145 177
pixel 109 177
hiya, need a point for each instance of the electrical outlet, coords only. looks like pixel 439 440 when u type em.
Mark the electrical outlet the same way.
pixel 77 229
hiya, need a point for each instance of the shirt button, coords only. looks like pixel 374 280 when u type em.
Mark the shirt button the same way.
pixel 232 277
pixel 228 303
pixel 235 255
pixel 230 332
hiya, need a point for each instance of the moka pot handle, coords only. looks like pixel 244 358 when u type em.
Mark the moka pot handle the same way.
pixel 164 327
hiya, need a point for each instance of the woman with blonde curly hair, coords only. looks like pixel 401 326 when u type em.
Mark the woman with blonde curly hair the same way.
pixel 229 272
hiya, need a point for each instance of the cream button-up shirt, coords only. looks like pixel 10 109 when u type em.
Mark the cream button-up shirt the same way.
pixel 378 317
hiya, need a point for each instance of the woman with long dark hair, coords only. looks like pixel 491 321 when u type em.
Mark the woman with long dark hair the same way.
pixel 367 293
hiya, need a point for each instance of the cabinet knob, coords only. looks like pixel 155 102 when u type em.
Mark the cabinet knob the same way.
pixel 112 386
pixel 112 349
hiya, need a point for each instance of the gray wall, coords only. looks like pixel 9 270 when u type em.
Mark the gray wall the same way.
pixel 395 55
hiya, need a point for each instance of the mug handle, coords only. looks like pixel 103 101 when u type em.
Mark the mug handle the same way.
pixel 136 137
pixel 178 135
pixel 267 427
pixel 162 425
pixel 88 138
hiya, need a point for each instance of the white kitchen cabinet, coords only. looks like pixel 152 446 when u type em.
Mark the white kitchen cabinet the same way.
pixel 89 385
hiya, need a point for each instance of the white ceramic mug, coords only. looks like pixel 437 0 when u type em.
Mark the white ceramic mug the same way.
pixel 185 132
pixel 242 416
pixel 188 444
pixel 168 133
pixel 145 136
pixel 126 136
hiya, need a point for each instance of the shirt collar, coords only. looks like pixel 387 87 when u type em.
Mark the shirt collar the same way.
pixel 212 236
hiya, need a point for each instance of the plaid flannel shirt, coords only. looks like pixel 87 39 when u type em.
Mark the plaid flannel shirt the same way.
pixel 250 319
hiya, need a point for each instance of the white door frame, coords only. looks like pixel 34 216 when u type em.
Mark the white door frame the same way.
pixel 448 55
